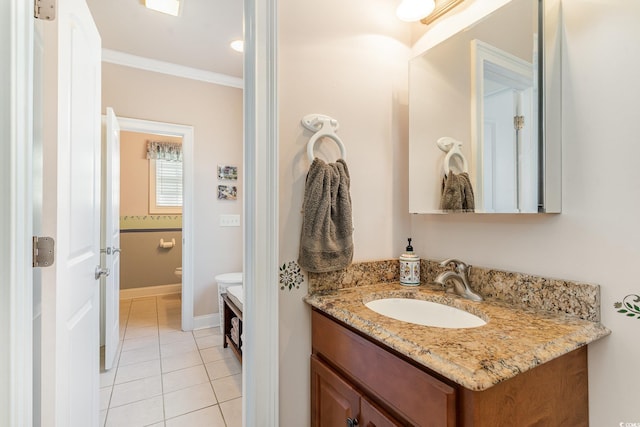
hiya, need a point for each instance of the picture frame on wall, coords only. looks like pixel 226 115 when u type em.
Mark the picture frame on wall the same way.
pixel 227 192
pixel 227 173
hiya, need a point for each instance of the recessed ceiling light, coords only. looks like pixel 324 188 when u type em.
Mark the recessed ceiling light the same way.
pixel 170 7
pixel 237 45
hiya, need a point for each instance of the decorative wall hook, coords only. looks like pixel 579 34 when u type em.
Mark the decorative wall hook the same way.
pixel 453 148
pixel 323 127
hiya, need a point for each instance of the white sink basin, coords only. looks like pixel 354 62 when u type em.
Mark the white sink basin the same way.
pixel 425 313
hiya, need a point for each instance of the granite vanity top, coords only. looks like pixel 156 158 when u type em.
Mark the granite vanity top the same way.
pixel 514 340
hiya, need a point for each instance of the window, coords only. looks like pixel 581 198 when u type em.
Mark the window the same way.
pixel 165 187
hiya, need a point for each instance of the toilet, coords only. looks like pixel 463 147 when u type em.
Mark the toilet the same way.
pixel 224 281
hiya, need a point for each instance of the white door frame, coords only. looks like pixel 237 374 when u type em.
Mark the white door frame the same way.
pixel 260 400
pixel 519 71
pixel 187 134
pixel 260 366
pixel 16 133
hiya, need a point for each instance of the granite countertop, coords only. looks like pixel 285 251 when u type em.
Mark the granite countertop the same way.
pixel 513 341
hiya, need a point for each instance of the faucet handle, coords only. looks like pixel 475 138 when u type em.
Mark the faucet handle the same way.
pixel 458 265
pixel 455 262
pixel 446 262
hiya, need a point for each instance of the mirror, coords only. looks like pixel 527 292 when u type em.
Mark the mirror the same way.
pixel 486 101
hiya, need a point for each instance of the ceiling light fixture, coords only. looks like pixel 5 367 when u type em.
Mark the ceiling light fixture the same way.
pixel 425 11
pixel 170 7
pixel 237 45
pixel 414 10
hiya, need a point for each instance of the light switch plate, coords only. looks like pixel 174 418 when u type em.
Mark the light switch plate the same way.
pixel 229 220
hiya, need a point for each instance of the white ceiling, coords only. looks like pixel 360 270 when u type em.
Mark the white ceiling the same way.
pixel 198 38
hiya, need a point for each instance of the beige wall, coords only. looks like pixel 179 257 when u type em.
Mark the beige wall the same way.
pixel 134 171
pixel 215 112
pixel 142 261
pixel 346 60
pixel 596 238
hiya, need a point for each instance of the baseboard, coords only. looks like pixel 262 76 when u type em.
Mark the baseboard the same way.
pixel 149 291
pixel 206 321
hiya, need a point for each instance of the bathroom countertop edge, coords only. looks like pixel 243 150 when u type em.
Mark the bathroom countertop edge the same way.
pixel 513 341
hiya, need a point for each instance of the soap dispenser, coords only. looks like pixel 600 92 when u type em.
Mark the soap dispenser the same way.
pixel 409 267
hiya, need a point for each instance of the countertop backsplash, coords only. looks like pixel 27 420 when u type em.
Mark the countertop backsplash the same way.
pixel 357 274
pixel 523 290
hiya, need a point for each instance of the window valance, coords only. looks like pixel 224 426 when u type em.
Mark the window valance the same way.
pixel 171 151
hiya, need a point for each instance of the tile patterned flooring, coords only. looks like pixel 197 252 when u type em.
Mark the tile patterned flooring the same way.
pixel 168 378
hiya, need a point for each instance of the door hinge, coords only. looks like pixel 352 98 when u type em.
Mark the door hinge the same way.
pixel 518 122
pixel 44 251
pixel 44 9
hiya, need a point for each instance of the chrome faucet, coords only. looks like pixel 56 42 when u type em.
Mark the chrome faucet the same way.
pixel 459 277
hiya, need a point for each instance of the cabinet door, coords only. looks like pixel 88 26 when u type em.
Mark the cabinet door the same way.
pixel 418 397
pixel 372 416
pixel 333 400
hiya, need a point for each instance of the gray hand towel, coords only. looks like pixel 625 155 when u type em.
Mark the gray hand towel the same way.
pixel 457 193
pixel 326 241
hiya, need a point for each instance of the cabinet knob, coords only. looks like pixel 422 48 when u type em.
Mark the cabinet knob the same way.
pixel 352 422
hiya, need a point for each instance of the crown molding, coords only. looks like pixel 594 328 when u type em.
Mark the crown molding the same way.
pixel 153 65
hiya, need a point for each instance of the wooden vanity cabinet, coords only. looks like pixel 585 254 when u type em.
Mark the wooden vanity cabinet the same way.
pixel 336 402
pixel 355 378
pixel 333 400
pixel 405 394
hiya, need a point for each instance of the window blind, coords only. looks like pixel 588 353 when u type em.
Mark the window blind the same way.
pixel 168 183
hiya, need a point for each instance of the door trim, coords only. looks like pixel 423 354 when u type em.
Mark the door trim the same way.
pixel 16 299
pixel 260 377
pixel 187 134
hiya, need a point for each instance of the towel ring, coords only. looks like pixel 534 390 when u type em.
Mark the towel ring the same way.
pixel 452 147
pixel 323 127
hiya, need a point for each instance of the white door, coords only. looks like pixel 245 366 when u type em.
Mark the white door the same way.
pixel 111 235
pixel 71 214
pixel 500 152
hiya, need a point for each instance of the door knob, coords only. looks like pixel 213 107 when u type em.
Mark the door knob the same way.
pixel 102 272
pixel 352 422
pixel 117 250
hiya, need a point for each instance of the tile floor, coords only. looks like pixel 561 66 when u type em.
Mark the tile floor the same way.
pixel 168 378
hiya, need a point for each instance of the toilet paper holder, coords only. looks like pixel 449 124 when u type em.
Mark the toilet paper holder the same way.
pixel 168 244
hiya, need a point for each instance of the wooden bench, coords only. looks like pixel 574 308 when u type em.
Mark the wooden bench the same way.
pixel 230 311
